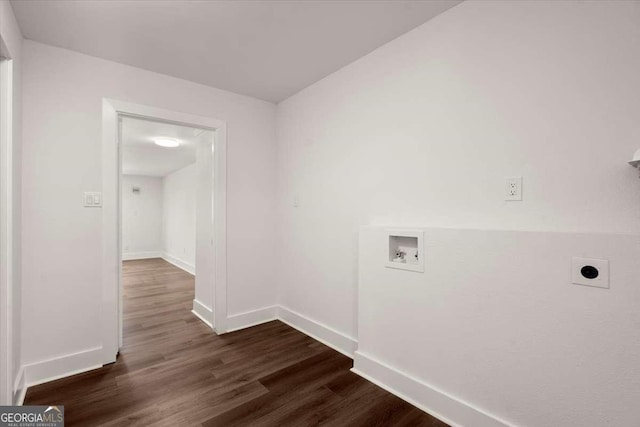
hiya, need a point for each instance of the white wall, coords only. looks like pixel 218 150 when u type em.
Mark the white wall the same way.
pixel 423 131
pixel 205 269
pixel 494 330
pixel 179 217
pixel 142 217
pixel 62 241
pixel 12 38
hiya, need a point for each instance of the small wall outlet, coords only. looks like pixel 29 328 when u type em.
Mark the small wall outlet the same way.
pixel 513 188
pixel 590 272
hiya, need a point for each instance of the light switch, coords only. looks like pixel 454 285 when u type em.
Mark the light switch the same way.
pixel 92 199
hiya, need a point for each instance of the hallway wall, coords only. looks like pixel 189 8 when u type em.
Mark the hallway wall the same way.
pixel 205 251
pixel 142 216
pixel 62 246
pixel 179 217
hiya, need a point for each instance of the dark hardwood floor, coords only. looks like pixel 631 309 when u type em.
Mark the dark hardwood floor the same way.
pixel 174 371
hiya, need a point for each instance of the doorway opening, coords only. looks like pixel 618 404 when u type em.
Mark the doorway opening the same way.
pixel 164 217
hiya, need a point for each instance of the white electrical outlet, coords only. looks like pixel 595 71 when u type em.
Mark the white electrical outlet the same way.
pixel 513 188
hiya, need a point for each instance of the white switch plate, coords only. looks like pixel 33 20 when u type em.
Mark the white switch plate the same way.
pixel 601 265
pixel 513 188
pixel 92 199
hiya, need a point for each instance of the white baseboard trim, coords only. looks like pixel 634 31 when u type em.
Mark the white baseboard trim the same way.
pixel 63 366
pixel 316 330
pixel 441 405
pixel 203 312
pixel 189 268
pixel 251 318
pixel 141 255
pixel 19 388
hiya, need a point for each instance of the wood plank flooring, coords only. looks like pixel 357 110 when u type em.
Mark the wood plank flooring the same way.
pixel 174 371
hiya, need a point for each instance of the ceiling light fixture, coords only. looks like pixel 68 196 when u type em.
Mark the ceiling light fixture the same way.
pixel 166 142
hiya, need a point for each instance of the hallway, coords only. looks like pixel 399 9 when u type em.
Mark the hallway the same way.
pixel 174 371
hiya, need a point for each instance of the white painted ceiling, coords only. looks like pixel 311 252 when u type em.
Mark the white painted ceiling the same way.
pixel 141 156
pixel 266 49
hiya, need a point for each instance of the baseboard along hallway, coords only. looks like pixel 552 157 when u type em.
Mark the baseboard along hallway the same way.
pixel 174 370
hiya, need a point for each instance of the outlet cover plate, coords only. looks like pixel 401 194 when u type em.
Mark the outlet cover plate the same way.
pixel 601 265
pixel 513 188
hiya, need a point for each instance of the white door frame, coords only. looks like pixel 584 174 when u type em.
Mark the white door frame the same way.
pixel 6 228
pixel 112 110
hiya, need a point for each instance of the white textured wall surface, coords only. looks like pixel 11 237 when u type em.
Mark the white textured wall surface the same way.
pixel 179 215
pixel 423 132
pixel 496 322
pixel 205 254
pixel 141 215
